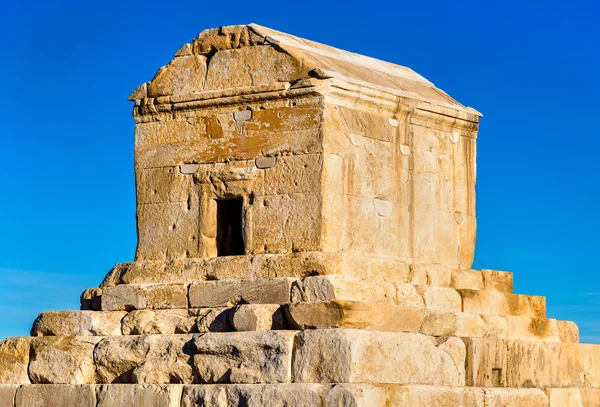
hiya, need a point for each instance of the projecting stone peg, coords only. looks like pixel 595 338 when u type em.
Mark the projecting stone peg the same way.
pixel 189 168
pixel 265 162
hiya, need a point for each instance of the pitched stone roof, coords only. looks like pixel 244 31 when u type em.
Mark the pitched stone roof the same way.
pixel 321 61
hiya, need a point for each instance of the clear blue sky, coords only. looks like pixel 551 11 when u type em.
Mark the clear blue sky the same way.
pixel 67 202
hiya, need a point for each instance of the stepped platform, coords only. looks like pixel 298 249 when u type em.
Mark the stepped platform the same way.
pixel 306 232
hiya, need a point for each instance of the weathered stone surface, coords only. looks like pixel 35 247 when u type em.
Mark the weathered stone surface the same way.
pixel 278 395
pixel 91 299
pixel 231 292
pixel 515 398
pixel 355 356
pixel 78 323
pixel 7 394
pixel 507 363
pixel 330 288
pixel 152 359
pixel 59 395
pixel 244 357
pixel 499 303
pixel 63 360
pixel 14 358
pixel 185 74
pixel 142 296
pixel 258 317
pixel 141 395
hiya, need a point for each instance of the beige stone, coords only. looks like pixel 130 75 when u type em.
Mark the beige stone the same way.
pixel 498 280
pixel 493 302
pixel 417 395
pixel 355 356
pixel 177 321
pixel 275 395
pixel 7 394
pixel 63 360
pixel 142 296
pixel 14 359
pixel 185 74
pixel 244 357
pixel 139 395
pixel 59 395
pixel 152 359
pixel 231 292
pixel 564 397
pixel 78 323
pixel 258 317
pixel 91 299
pixel 515 398
pixel 329 288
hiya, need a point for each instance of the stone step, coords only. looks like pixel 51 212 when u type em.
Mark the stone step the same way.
pixel 573 397
pixel 302 315
pixel 281 290
pixel 310 356
pixel 270 395
pixel 358 266
pixel 385 317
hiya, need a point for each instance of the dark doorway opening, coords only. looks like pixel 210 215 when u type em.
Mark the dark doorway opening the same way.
pixel 230 240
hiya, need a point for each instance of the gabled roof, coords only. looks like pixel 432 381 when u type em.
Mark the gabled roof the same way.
pixel 322 62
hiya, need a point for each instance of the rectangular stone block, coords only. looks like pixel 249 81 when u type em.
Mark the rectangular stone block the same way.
pixel 230 292
pixel 417 395
pixel 515 398
pixel 498 280
pixel 7 394
pixel 244 357
pixel 139 395
pixel 356 356
pixel 177 321
pixel 14 359
pixel 144 296
pixel 63 360
pixel 257 395
pixel 59 395
pixel 493 302
pixel 144 359
pixel 78 323
pixel 495 362
pixel 330 288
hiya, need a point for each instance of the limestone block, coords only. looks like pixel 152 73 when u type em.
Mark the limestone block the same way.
pixel 355 356
pixel 570 397
pixel 152 359
pixel 354 315
pixel 416 395
pixel 63 360
pixel 277 228
pixel 214 319
pixel 486 362
pixel 497 326
pixel 182 75
pixel 147 322
pixel 14 359
pixel 163 185
pixel 407 295
pixel 515 398
pixel 330 288
pixel 590 397
pixel 144 296
pixel 440 298
pixel 493 302
pixel 294 174
pixel 168 230
pixel 251 66
pixel 257 395
pixel 258 317
pixel 158 272
pixel 435 274
pixel 230 292
pixel 547 364
pixel 453 324
pixel 467 279
pixel 568 331
pixel 78 323
pixel 7 394
pixel 356 395
pixel 244 357
pixel 498 280
pixel 139 395
pixel 542 329
pixel 58 395
pixel 91 299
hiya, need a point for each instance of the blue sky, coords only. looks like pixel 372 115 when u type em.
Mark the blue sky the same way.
pixel 67 202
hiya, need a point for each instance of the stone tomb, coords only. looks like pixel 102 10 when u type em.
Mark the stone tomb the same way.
pixel 306 228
